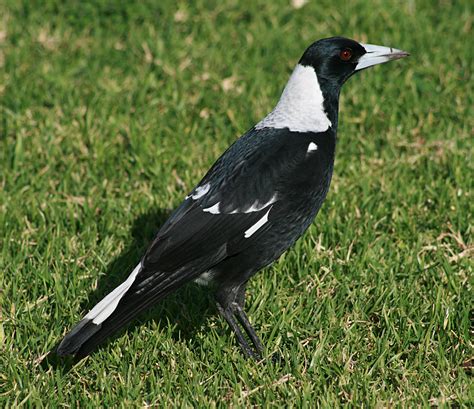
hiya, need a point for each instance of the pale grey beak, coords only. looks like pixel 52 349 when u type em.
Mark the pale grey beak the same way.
pixel 377 54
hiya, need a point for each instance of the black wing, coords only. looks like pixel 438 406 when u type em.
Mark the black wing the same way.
pixel 246 181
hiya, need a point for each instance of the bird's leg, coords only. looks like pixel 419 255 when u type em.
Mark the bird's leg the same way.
pixel 229 317
pixel 230 304
pixel 244 321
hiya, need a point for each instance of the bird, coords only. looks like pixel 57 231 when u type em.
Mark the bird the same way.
pixel 253 204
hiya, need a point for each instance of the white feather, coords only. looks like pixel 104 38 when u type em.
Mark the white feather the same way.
pixel 257 225
pixel 204 278
pixel 257 206
pixel 213 209
pixel 200 191
pixel 109 303
pixel 312 147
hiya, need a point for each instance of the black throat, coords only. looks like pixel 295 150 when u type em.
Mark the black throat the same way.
pixel 331 93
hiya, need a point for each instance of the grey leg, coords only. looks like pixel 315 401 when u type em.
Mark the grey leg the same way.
pixel 228 314
pixel 230 303
pixel 244 321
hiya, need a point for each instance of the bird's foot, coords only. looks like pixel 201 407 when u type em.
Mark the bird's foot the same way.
pixel 235 315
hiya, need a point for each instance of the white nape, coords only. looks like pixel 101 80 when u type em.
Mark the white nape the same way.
pixel 200 191
pixel 213 209
pixel 109 303
pixel 300 108
pixel 257 225
pixel 312 147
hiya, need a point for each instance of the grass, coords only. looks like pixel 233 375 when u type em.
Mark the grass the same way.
pixel 110 113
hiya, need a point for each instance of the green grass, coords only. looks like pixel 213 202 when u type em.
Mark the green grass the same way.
pixel 111 113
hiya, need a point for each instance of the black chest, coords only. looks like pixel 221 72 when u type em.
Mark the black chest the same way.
pixel 306 186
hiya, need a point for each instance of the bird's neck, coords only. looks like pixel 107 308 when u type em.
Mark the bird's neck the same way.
pixel 303 106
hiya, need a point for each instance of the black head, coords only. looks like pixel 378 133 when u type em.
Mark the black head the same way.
pixel 336 59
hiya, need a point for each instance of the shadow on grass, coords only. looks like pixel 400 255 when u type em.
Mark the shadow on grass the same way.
pixel 186 310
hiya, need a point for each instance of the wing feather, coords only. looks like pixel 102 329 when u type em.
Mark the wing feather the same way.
pixel 240 188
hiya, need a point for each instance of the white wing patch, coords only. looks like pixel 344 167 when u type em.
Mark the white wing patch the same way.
pixel 312 147
pixel 300 108
pixel 256 207
pixel 199 192
pixel 213 209
pixel 248 233
pixel 109 303
pixel 204 278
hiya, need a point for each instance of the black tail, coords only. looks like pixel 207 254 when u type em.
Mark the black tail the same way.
pixel 87 334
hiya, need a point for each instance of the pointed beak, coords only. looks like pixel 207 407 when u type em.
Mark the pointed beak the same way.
pixel 377 54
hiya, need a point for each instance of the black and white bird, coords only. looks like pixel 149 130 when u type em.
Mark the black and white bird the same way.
pixel 251 206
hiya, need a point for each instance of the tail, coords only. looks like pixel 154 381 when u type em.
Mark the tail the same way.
pixel 117 309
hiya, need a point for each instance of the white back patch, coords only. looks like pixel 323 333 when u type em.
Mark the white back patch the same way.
pixel 257 225
pixel 109 303
pixel 300 108
pixel 312 147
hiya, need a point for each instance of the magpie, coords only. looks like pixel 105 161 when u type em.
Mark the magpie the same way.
pixel 256 200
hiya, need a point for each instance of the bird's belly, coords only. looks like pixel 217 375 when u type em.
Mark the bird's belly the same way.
pixel 286 228
pixel 290 220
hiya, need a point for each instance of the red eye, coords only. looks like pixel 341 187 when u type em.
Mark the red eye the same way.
pixel 345 55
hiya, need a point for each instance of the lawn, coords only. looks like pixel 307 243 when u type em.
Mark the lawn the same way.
pixel 111 113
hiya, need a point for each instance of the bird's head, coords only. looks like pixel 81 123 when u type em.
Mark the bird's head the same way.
pixel 336 59
pixel 310 99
